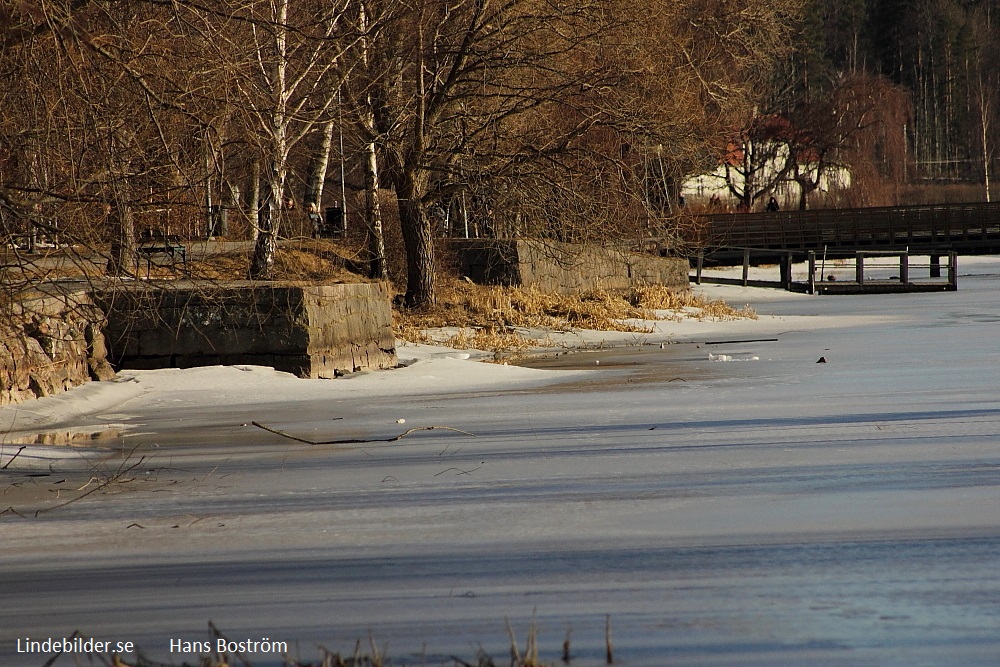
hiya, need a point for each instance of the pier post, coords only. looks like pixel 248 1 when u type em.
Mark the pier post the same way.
pixel 812 271
pixel 785 267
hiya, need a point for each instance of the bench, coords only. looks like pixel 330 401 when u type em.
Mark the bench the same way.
pixel 167 245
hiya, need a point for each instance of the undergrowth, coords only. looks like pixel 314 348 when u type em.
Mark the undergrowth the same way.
pixel 489 317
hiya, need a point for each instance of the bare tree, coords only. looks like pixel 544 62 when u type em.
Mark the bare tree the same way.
pixel 533 117
pixel 842 129
pixel 476 95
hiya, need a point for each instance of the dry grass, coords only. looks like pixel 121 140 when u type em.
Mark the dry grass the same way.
pixel 298 260
pixel 373 656
pixel 304 260
pixel 489 315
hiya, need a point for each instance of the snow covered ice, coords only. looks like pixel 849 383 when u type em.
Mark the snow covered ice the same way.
pixel 780 512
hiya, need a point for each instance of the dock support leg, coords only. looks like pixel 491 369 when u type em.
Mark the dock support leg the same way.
pixel 746 266
pixel 935 266
pixel 786 270
pixel 812 271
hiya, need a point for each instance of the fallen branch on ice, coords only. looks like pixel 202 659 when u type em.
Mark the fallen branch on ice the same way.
pixel 357 441
pixel 13 457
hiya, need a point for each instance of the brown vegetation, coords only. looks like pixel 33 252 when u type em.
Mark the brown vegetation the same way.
pixel 494 318
pixel 558 119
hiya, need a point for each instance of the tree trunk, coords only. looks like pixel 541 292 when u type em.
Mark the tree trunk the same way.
pixel 262 261
pixel 419 242
pixel 124 257
pixel 209 202
pixel 984 120
pixel 806 187
pixel 378 268
pixel 317 169
pixel 253 199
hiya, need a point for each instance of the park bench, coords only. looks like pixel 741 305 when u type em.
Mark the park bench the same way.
pixel 154 244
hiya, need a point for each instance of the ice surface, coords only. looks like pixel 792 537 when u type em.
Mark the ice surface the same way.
pixel 780 512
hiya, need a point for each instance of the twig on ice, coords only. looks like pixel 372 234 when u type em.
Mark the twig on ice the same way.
pixel 355 441
pixel 460 471
pixel 13 457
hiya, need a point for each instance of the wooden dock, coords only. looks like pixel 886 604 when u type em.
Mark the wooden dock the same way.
pixel 972 229
pixel 907 276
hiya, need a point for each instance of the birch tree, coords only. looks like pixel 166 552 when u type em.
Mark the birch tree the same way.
pixel 288 88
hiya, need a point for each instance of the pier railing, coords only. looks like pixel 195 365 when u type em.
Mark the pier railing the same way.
pixel 965 227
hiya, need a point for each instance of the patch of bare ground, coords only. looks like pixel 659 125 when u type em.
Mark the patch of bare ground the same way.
pixel 299 261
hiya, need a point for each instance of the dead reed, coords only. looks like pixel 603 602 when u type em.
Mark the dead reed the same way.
pixel 374 656
pixel 489 317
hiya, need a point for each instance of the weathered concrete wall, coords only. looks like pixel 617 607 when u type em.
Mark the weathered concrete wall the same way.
pixel 318 331
pixel 564 268
pixel 50 343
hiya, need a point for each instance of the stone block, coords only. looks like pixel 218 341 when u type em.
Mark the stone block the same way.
pixel 308 330
pixel 564 268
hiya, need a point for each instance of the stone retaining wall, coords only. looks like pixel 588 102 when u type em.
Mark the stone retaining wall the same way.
pixel 564 268
pixel 50 343
pixel 317 331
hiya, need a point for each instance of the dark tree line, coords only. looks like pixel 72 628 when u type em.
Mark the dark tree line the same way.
pixel 888 92
pixel 942 53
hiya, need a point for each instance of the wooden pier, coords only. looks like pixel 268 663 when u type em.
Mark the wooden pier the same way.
pixel 825 272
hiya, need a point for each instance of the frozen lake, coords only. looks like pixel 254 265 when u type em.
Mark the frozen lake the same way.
pixel 749 508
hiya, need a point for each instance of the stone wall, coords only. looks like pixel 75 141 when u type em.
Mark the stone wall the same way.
pixel 50 343
pixel 317 331
pixel 564 268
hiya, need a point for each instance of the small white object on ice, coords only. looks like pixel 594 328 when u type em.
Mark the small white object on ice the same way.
pixel 400 421
pixel 598 362
pixel 719 357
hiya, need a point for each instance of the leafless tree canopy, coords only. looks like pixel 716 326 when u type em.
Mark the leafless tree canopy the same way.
pixel 544 118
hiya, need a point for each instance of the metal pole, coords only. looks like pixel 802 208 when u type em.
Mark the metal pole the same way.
pixel 343 184
pixel 465 215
